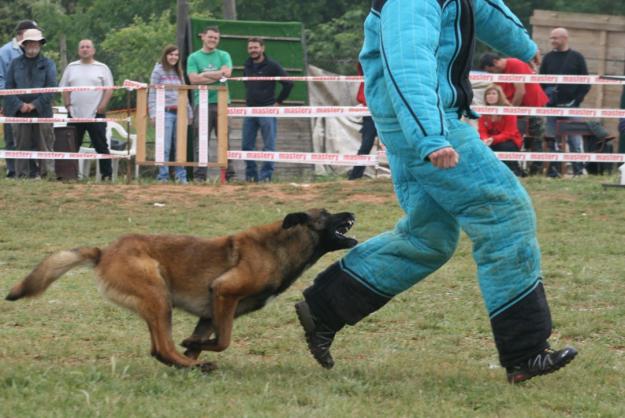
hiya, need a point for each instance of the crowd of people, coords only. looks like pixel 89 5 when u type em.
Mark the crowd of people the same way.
pixel 24 66
pixel 538 133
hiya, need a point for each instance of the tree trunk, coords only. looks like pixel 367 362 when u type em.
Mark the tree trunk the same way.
pixel 62 52
pixel 230 9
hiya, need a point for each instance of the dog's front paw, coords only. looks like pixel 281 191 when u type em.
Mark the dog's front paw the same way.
pixel 191 341
pixel 199 344
pixel 207 367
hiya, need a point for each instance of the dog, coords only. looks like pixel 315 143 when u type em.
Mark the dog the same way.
pixel 215 279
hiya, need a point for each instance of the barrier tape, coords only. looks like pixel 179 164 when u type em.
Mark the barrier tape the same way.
pixel 333 111
pixel 324 158
pixel 59 120
pixel 485 77
pixel 299 111
pixel 45 155
pixel 159 142
pixel 579 112
pixel 203 125
pixel 561 157
pixel 374 159
pixel 127 84
pixel 304 157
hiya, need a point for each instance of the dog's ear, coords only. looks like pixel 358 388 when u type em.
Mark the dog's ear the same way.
pixel 294 219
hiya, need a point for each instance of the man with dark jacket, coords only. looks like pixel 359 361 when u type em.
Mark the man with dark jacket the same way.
pixel 565 61
pixel 31 70
pixel 261 93
pixel 8 53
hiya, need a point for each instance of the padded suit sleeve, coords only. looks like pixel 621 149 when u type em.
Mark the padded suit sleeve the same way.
pixel 410 32
pixel 498 27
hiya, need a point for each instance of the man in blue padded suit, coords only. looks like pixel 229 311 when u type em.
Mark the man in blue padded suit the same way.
pixel 416 59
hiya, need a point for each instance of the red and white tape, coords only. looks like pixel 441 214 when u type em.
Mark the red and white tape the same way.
pixel 128 85
pixel 299 111
pixel 43 155
pixel 561 157
pixel 374 159
pixel 485 77
pixel 334 111
pixel 304 157
pixel 59 120
pixel 323 158
pixel 551 111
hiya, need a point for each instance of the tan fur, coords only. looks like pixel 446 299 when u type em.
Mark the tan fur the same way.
pixel 215 279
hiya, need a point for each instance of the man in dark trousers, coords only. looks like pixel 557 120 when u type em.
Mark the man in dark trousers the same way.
pixel 416 59
pixel 566 61
pixel 32 70
pixel 8 53
pixel 367 132
pixel 261 93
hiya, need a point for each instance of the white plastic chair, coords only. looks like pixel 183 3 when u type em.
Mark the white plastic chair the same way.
pixel 84 166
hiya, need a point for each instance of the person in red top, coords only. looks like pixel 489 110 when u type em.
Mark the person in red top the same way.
pixel 368 132
pixel 500 133
pixel 521 94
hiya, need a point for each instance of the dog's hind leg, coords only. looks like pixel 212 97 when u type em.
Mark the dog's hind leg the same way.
pixel 158 317
pixel 140 288
pixel 203 330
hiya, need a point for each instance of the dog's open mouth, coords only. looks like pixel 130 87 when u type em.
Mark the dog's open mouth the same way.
pixel 344 227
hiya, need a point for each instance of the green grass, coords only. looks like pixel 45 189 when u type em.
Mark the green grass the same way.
pixel 429 353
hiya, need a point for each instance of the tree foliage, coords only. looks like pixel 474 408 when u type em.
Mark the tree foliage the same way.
pixel 132 33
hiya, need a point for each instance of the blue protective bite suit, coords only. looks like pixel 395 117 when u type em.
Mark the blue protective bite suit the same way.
pixel 416 60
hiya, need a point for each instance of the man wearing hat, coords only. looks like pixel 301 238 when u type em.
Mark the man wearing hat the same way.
pixel 31 70
pixel 8 53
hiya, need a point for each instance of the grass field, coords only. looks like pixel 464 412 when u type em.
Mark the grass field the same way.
pixel 429 353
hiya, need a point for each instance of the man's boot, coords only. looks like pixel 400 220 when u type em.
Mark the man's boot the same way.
pixel 545 362
pixel 521 334
pixel 335 299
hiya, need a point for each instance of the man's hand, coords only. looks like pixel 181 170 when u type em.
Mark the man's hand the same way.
pixel 101 110
pixel 535 61
pixel 444 158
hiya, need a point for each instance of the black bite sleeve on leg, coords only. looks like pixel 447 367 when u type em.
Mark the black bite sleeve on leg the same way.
pixel 522 330
pixel 337 298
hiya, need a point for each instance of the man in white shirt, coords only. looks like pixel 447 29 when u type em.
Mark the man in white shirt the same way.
pixel 89 104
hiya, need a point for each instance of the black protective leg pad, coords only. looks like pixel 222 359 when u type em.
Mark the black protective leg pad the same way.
pixel 338 299
pixel 522 330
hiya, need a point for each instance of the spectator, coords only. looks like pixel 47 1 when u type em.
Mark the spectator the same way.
pixel 563 60
pixel 367 132
pixel 261 93
pixel 89 104
pixel 32 70
pixel 521 94
pixel 168 72
pixel 8 53
pixel 209 66
pixel 500 133
pixel 621 126
pixel 416 59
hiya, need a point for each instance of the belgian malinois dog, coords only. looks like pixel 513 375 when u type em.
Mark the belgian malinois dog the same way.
pixel 215 279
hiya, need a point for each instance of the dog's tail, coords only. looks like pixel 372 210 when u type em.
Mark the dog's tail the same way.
pixel 51 268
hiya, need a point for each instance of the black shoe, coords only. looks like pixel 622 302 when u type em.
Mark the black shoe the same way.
pixel 319 337
pixel 542 363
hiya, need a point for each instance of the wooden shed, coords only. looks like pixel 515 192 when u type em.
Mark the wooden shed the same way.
pixel 600 38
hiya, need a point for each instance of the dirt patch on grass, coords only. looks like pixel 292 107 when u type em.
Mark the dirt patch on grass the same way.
pixel 188 195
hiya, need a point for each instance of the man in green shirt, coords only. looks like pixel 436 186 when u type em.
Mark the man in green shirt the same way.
pixel 208 65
